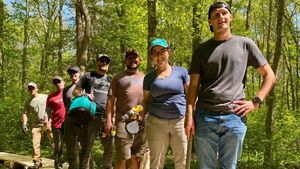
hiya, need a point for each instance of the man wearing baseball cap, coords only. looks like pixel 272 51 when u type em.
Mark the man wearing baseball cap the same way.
pixel 36 105
pixel 56 112
pixel 95 84
pixel 218 71
pixel 125 92
pixel 74 74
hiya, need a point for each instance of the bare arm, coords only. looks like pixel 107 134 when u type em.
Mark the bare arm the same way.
pixel 268 81
pixel 24 118
pixel 186 87
pixel 109 112
pixel 77 91
pixel 190 103
pixel 146 101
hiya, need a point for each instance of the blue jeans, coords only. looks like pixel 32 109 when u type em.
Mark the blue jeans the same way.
pixel 219 137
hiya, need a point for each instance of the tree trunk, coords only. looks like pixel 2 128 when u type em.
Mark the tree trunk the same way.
pixel 248 15
pixel 83 31
pixel 123 36
pixel 269 32
pixel 24 56
pixel 1 49
pixel 48 19
pixel 152 22
pixel 296 41
pixel 60 43
pixel 269 124
pixel 230 3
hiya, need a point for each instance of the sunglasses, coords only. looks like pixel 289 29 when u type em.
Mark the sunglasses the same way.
pixel 30 88
pixel 104 60
pixel 71 74
pixel 56 81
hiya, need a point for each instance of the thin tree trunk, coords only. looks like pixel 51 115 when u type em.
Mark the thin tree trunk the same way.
pixel 83 31
pixel 269 32
pixel 123 37
pixel 290 81
pixel 269 124
pixel 296 40
pixel 2 61
pixel 25 45
pixel 48 19
pixel 60 43
pixel 152 22
pixel 248 15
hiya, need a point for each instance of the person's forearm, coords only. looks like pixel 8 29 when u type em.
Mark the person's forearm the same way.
pixel 24 119
pixel 267 84
pixel 77 92
pixel 109 109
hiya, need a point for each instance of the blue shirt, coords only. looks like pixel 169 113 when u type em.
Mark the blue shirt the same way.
pixel 167 94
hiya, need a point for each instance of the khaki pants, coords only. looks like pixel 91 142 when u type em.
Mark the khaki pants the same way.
pixel 37 133
pixel 160 134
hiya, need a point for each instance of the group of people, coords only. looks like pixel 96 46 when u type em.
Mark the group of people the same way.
pixel 50 115
pixel 207 101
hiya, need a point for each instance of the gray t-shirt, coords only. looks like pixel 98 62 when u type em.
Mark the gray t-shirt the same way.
pixel 37 107
pixel 101 85
pixel 68 95
pixel 222 66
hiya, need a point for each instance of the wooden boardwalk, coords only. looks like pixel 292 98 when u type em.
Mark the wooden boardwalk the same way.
pixel 15 161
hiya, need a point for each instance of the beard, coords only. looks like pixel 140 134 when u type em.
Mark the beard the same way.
pixel 133 66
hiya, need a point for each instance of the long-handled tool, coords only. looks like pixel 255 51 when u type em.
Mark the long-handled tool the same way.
pixel 189 152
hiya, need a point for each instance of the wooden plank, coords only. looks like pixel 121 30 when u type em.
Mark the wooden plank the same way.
pixel 25 161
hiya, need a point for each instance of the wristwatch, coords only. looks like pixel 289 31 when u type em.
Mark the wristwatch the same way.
pixel 257 100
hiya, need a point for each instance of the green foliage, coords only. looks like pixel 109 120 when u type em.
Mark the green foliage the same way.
pixel 111 26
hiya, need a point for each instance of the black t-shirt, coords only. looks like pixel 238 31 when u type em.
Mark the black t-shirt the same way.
pixel 222 66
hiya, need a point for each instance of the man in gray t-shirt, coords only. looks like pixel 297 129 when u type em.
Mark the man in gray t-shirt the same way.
pixel 36 106
pixel 218 75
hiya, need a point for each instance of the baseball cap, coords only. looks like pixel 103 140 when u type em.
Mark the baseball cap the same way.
pixel 73 69
pixel 130 52
pixel 56 79
pixel 32 84
pixel 159 42
pixel 100 56
pixel 218 4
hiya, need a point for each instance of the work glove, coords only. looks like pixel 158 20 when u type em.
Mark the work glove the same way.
pixel 24 128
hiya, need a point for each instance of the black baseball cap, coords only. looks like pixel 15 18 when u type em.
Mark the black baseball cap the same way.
pixel 73 69
pixel 218 4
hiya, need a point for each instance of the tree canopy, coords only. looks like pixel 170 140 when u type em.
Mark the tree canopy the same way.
pixel 39 39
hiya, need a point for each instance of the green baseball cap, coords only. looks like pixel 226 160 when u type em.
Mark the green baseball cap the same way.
pixel 159 42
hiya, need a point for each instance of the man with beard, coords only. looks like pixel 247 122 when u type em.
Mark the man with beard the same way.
pixel 126 91
pixel 95 85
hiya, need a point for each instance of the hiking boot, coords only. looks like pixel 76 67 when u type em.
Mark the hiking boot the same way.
pixel 37 165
